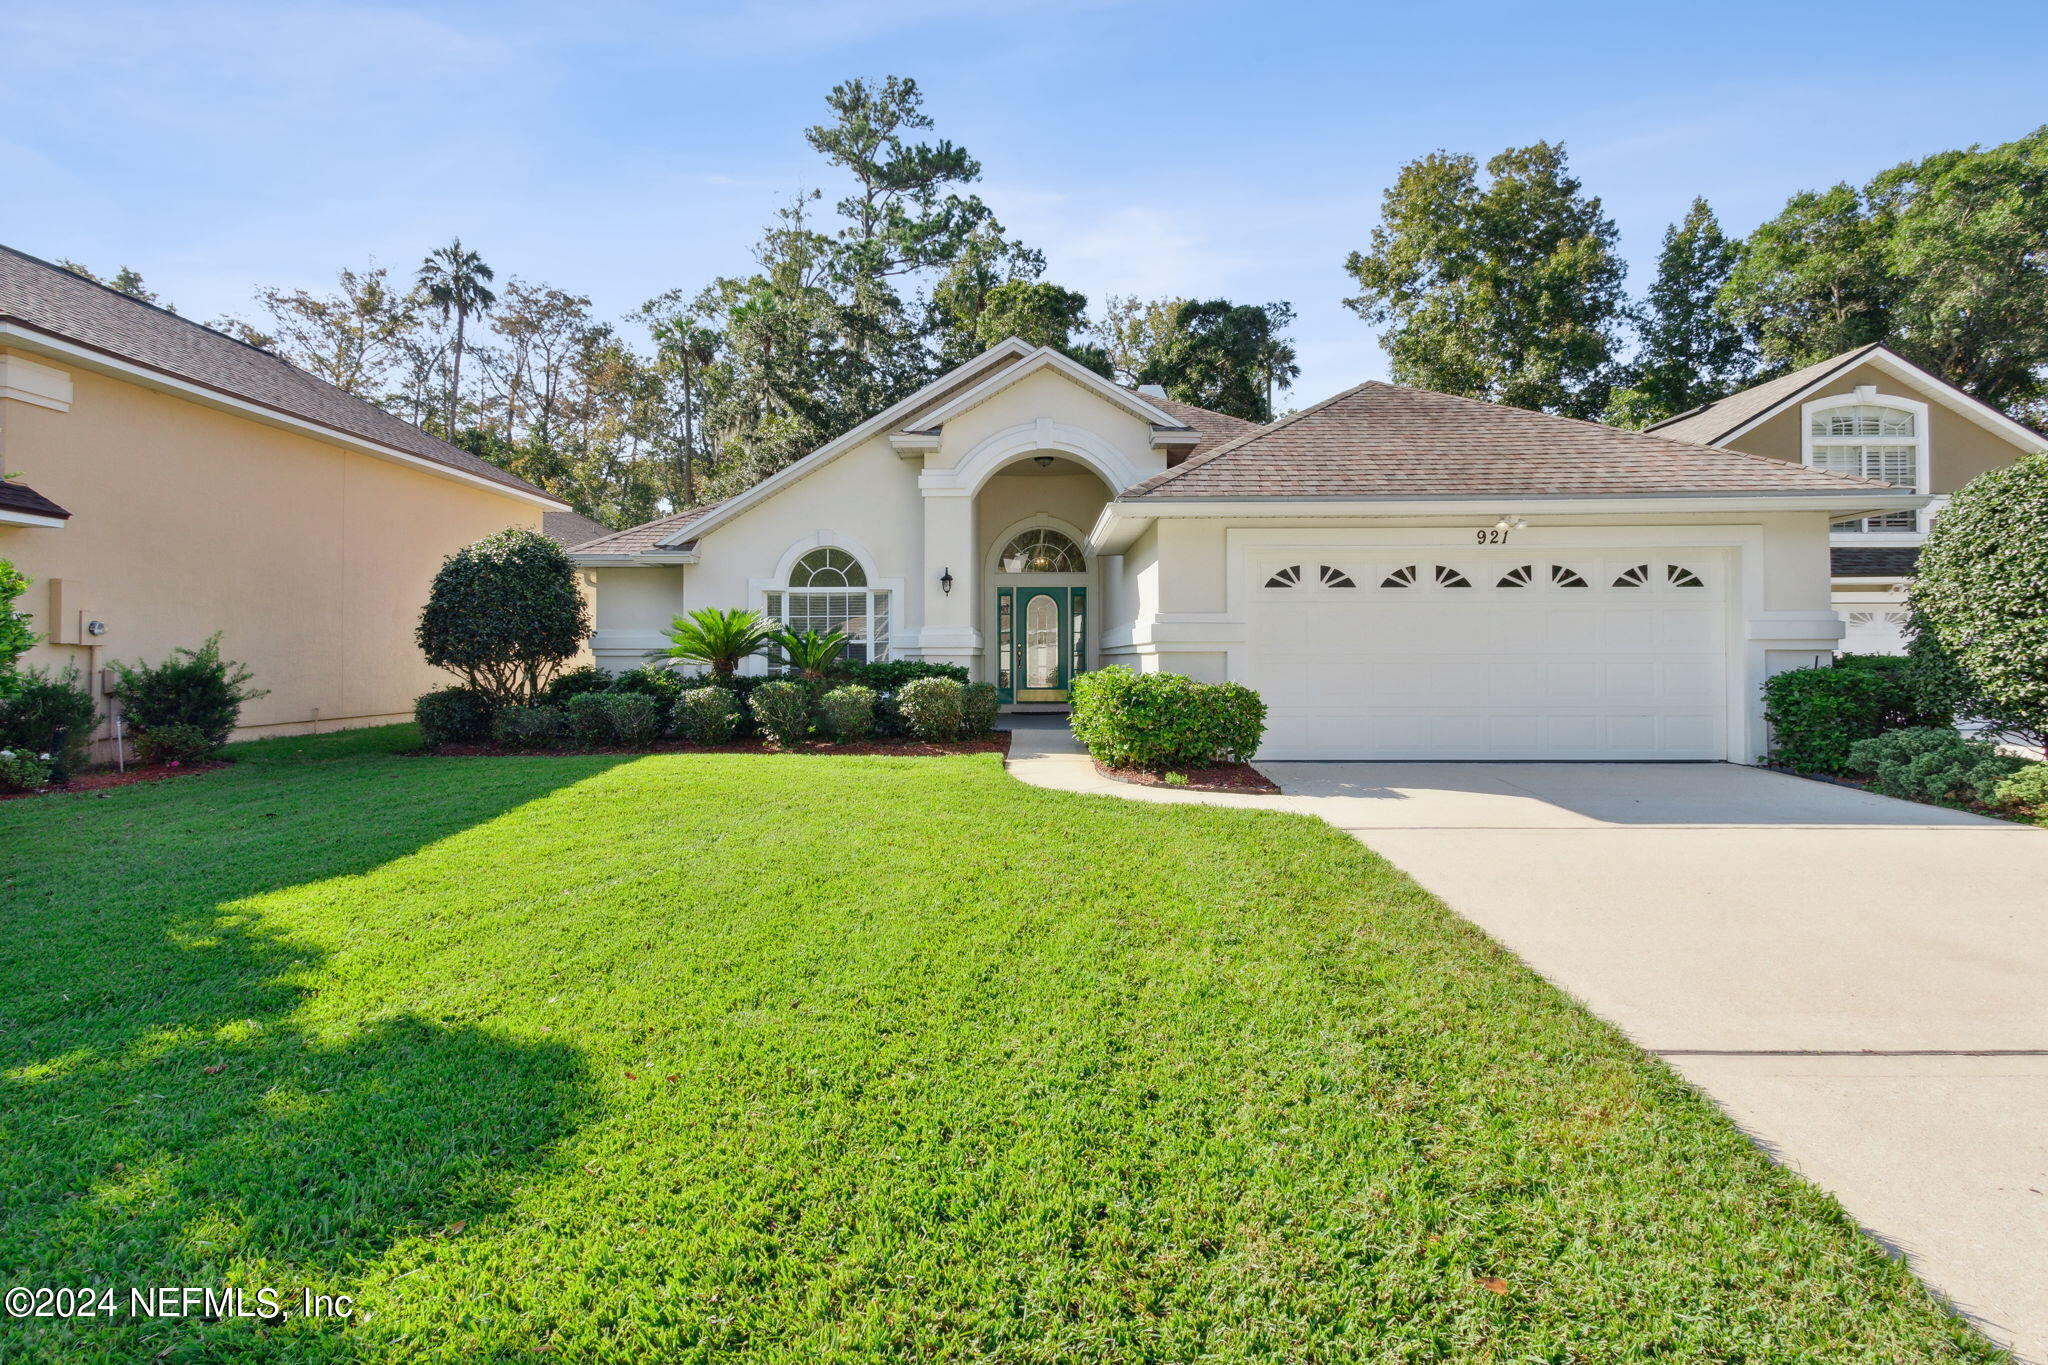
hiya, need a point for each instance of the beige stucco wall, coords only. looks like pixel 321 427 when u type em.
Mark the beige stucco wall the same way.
pixel 1958 449
pixel 310 558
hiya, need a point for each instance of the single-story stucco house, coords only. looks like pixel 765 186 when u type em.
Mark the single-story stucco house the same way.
pixel 1871 412
pixel 1401 574
pixel 173 482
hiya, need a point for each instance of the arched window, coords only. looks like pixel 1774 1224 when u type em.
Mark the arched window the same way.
pixel 1870 437
pixel 828 590
pixel 1041 550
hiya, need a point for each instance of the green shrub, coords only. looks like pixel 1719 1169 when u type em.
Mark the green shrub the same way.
pixel 576 683
pixel 23 771
pixel 782 711
pixel 530 727
pixel 742 686
pixel 980 704
pixel 2027 787
pixel 52 714
pixel 454 715
pixel 1164 720
pixel 706 715
pixel 932 708
pixel 720 638
pixel 636 717
pixel 504 615
pixel 1817 714
pixel 15 636
pixel 1933 764
pixel 889 676
pixel 175 744
pixel 589 720
pixel 849 713
pixel 664 685
pixel 193 687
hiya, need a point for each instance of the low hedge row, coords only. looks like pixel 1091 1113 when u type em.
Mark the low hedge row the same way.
pixel 1818 714
pixel 1164 720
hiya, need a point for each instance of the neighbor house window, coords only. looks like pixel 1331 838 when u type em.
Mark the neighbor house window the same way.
pixel 1870 440
pixel 828 590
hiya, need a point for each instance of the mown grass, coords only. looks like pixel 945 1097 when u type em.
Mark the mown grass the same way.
pixel 693 1058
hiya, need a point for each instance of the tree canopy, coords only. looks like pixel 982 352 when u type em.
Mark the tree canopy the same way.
pixel 1689 351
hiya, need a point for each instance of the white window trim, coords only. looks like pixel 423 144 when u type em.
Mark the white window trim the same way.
pixel 758 590
pixel 1867 395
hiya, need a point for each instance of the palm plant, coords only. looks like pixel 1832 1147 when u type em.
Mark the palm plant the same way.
pixel 452 279
pixel 808 652
pixel 717 638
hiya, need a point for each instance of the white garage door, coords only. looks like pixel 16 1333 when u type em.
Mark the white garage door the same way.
pixel 1516 655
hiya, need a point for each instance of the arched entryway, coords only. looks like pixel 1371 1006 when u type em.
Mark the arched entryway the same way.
pixel 1039 598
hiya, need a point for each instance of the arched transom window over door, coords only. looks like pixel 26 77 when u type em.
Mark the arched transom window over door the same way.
pixel 828 590
pixel 1041 550
pixel 1870 440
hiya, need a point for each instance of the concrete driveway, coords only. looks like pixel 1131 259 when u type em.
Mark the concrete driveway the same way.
pixel 1861 983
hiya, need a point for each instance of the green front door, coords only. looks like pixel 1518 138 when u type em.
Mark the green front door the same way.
pixel 1040 641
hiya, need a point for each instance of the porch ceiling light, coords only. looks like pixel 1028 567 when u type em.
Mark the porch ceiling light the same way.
pixel 1042 461
pixel 946 582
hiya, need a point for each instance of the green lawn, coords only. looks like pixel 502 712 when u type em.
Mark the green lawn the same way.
pixel 808 1059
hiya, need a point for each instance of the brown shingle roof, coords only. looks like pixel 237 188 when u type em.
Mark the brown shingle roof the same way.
pixel 22 498
pixel 648 535
pixel 1706 425
pixel 1383 441
pixel 569 529
pixel 51 299
pixel 1217 428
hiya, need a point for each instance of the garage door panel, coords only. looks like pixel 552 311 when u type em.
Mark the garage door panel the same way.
pixel 1536 671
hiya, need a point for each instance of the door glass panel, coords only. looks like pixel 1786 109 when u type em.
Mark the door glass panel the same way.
pixel 1077 655
pixel 1042 642
pixel 1003 638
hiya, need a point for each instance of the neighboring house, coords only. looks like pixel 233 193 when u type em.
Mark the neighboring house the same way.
pixel 568 528
pixel 173 482
pixel 1870 412
pixel 1401 574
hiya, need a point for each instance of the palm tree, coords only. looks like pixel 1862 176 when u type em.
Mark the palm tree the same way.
pixel 808 652
pixel 717 638
pixel 452 279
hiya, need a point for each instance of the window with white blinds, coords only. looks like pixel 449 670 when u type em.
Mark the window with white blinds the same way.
pixel 862 616
pixel 1839 439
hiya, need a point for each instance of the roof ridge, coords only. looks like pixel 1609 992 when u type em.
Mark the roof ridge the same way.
pixel 1209 457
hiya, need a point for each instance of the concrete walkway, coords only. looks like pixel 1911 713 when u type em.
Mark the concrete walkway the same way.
pixel 1861 983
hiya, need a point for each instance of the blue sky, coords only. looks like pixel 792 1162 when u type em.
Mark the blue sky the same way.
pixel 1201 149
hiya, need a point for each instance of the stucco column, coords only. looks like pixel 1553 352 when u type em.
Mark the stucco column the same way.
pixel 947 634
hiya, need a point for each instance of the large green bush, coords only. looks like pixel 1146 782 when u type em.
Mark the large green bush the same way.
pixel 53 714
pixel 1164 720
pixel 782 711
pixel 530 727
pixel 980 704
pixel 848 713
pixel 1817 714
pixel 454 715
pixel 1933 764
pixel 606 718
pixel 15 636
pixel 504 615
pixel 2026 787
pixel 195 688
pixel 933 709
pixel 664 685
pixel 1980 591
pixel 575 683
pixel 706 715
pixel 174 744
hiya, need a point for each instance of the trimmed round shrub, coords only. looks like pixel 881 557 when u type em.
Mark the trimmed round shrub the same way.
pixel 2028 787
pixel 1164 720
pixel 636 718
pixel 1933 764
pixel 980 704
pixel 192 687
pixel 175 744
pixel 575 683
pixel 782 711
pixel 454 715
pixel 932 708
pixel 504 615
pixel 706 715
pixel 590 719
pixel 23 771
pixel 848 713
pixel 1817 714
pixel 530 727
pixel 650 680
pixel 50 713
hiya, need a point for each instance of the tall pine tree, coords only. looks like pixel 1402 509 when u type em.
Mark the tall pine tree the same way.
pixel 1689 352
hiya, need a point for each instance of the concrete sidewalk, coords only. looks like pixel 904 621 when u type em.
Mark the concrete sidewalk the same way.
pixel 1861 983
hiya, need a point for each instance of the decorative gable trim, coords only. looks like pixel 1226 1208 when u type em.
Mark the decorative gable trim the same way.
pixel 1045 358
pixel 1902 370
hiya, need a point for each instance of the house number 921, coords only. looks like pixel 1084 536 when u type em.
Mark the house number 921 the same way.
pixel 1492 536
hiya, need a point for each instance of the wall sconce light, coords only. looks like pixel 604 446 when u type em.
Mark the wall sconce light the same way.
pixel 946 582
pixel 1508 523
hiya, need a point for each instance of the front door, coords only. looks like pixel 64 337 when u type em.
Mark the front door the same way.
pixel 1039 641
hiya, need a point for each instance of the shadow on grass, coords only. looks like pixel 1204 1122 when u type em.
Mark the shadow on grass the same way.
pixel 170 1115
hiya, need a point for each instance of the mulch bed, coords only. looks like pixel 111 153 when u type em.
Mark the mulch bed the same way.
pixel 101 779
pixel 999 743
pixel 1224 777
